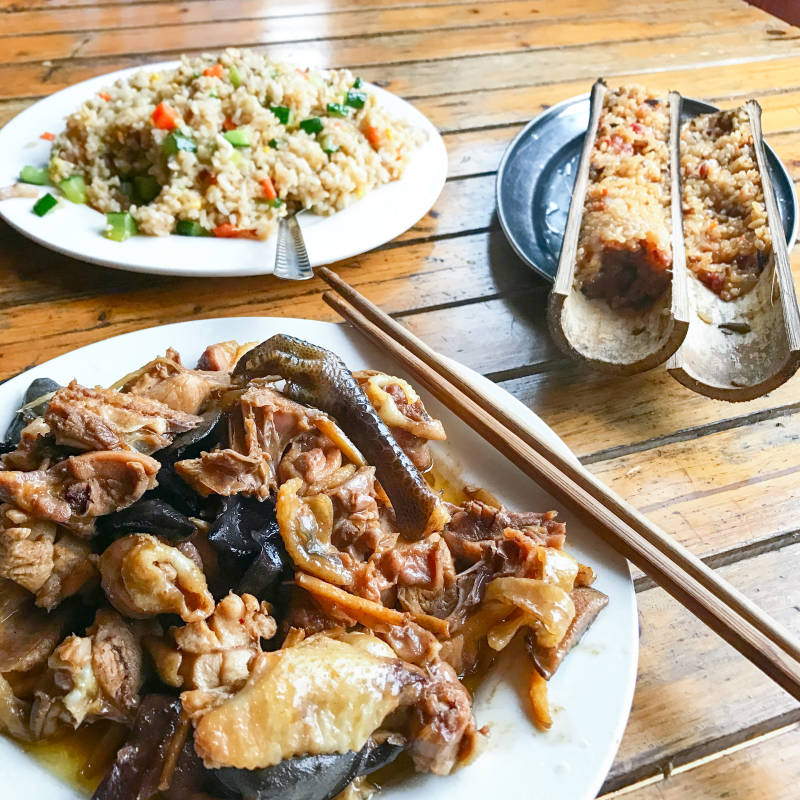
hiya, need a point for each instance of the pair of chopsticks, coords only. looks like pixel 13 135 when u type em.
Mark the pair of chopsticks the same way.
pixel 739 621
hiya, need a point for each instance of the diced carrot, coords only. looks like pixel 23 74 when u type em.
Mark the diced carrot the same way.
pixel 228 124
pixel 165 117
pixel 213 72
pixel 228 231
pixel 373 136
pixel 47 136
pixel 269 189
pixel 104 96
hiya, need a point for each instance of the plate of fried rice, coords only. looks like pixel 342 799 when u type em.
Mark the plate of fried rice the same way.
pixel 186 168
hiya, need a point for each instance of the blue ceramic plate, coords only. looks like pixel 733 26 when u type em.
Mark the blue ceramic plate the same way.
pixel 537 172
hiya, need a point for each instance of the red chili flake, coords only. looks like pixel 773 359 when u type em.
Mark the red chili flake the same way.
pixel 228 124
pixel 637 128
pixel 104 96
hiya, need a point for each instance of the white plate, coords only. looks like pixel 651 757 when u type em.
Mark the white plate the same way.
pixel 591 693
pixel 76 230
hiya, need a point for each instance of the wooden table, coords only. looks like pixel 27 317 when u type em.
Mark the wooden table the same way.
pixel 722 478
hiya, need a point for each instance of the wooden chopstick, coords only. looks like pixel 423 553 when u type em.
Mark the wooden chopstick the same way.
pixel 740 622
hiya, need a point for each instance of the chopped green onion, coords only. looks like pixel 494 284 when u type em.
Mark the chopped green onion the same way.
pixel 236 159
pixel 327 144
pixel 34 175
pixel 74 189
pixel 283 113
pixel 275 143
pixel 195 75
pixel 177 142
pixel 276 202
pixel 186 227
pixel 338 110
pixel 120 226
pixel 147 188
pixel 44 205
pixel 234 76
pixel 358 83
pixel 238 137
pixel 311 125
pixel 214 95
pixel 355 99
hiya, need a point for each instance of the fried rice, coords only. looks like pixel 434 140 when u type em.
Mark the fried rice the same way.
pixel 231 144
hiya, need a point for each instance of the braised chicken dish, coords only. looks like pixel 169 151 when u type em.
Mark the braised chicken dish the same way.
pixel 239 574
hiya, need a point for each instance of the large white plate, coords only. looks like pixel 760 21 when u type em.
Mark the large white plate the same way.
pixel 592 691
pixel 76 230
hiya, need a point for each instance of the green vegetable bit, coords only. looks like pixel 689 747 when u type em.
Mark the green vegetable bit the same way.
pixel 34 175
pixel 311 125
pixel 74 189
pixel 44 205
pixel 327 144
pixel 120 226
pixel 146 187
pixel 186 227
pixel 283 113
pixel 235 77
pixel 358 83
pixel 338 110
pixel 177 142
pixel 238 137
pixel 276 202
pixel 355 99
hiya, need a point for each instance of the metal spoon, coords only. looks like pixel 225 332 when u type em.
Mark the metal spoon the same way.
pixel 291 257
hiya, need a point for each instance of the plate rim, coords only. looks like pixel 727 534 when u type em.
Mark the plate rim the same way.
pixel 434 188
pixel 631 637
pixel 554 110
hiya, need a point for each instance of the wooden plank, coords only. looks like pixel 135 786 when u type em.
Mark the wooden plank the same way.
pixel 717 492
pixel 766 769
pixel 331 22
pixel 584 408
pixel 276 7
pixel 425 77
pixel 517 104
pixel 308 41
pixel 695 694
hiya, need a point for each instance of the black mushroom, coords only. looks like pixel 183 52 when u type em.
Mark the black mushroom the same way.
pixel 148 760
pixel 247 540
pixel 148 515
pixel 317 377
pixel 41 389
pixel 172 488
pixel 314 777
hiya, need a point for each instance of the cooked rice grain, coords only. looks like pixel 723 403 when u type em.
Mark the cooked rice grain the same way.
pixel 109 142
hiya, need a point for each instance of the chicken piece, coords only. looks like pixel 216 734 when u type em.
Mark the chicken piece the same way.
pixel 443 728
pixel 14 713
pixel 260 429
pixel 222 356
pixel 165 379
pixel 75 491
pixel 316 460
pixel 28 634
pixel 401 408
pixel 143 577
pixel 216 652
pixel 96 676
pixel 104 419
pixel 475 529
pixel 43 558
pixel 35 449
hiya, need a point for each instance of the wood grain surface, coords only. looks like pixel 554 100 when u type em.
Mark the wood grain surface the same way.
pixel 723 479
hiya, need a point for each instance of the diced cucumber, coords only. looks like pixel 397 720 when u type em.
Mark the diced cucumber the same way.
pixel 355 99
pixel 44 205
pixel 35 175
pixel 338 110
pixel 120 225
pixel 327 144
pixel 283 113
pixel 177 142
pixel 147 188
pixel 238 137
pixel 186 227
pixel 311 125
pixel 74 189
